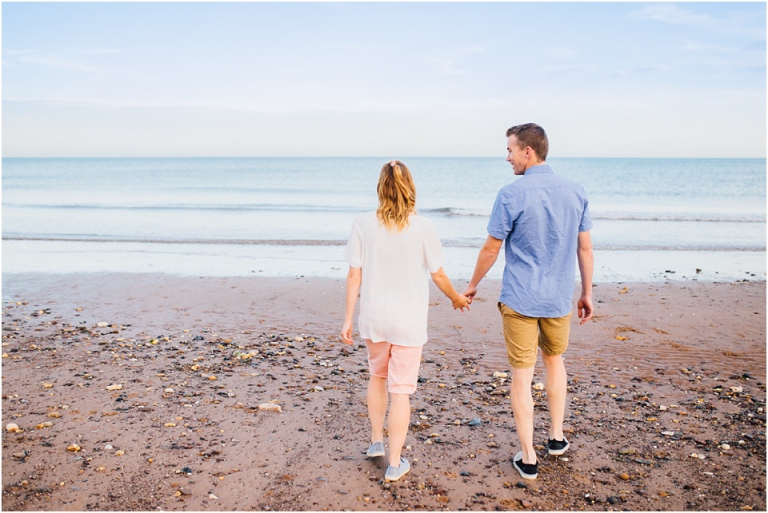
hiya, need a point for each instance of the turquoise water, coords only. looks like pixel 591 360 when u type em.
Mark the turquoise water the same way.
pixel 210 206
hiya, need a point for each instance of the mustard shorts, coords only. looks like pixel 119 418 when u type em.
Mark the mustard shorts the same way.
pixel 524 335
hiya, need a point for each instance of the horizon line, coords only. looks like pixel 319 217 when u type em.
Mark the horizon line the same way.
pixel 353 157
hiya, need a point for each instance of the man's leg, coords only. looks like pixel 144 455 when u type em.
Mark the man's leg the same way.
pixel 521 336
pixel 399 419
pixel 522 409
pixel 377 407
pixel 553 340
pixel 556 393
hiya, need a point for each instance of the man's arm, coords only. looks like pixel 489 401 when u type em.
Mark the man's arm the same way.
pixel 586 266
pixel 485 260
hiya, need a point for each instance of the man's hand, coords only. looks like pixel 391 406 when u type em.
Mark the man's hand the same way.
pixel 346 333
pixel 470 292
pixel 585 308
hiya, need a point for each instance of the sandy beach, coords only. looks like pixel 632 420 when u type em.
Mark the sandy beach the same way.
pixel 142 392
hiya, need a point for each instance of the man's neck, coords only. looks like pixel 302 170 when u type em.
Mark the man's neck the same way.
pixel 534 164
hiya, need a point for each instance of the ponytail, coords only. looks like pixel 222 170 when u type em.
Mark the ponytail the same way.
pixel 397 195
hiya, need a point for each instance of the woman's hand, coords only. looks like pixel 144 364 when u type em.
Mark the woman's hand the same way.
pixel 346 333
pixel 461 302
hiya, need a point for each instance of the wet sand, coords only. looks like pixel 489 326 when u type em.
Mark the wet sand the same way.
pixel 154 383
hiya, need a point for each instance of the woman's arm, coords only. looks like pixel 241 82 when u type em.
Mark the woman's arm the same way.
pixel 354 279
pixel 446 287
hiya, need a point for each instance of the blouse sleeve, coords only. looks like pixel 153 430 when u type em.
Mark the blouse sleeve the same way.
pixel 433 249
pixel 354 251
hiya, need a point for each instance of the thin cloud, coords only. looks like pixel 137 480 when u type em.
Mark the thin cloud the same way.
pixel 449 65
pixel 690 45
pixel 60 63
pixel 355 48
pixel 735 23
pixel 568 69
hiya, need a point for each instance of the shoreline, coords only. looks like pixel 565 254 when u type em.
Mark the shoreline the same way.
pixel 232 260
pixel 192 442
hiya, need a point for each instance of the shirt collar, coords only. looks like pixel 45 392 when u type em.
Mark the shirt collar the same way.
pixel 539 168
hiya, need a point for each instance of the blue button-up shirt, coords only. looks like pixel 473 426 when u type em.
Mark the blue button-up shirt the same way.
pixel 539 216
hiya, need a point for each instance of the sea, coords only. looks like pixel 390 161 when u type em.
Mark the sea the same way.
pixel 654 219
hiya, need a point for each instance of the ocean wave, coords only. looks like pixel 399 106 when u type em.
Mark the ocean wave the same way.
pixel 705 218
pixel 452 243
pixel 455 211
pixel 440 211
pixel 281 207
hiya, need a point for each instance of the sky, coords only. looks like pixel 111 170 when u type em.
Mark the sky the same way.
pixel 382 79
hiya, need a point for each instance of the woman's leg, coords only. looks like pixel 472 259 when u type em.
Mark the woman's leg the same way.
pixel 377 407
pixel 399 419
pixel 403 375
pixel 378 366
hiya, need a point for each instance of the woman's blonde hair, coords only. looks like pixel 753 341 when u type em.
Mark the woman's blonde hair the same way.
pixel 397 195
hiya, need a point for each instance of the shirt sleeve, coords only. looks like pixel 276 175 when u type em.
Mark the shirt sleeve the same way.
pixel 433 248
pixel 586 220
pixel 501 222
pixel 354 250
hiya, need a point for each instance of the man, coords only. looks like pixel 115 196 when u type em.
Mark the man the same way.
pixel 543 220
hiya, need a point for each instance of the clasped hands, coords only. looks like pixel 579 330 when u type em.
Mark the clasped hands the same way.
pixel 464 299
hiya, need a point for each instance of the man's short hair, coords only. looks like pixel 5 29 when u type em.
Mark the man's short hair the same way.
pixel 531 134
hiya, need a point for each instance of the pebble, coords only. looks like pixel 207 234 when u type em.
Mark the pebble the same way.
pixel 318 389
pixel 737 390
pixel 499 374
pixel 476 422
pixel 102 324
pixel 624 476
pixel 115 387
pixel 73 448
pixel 12 428
pixel 212 496
pixel 725 447
pixel 628 450
pixel 169 390
pixel 667 433
pixel 108 447
pixel 614 499
pixel 538 386
pixel 270 407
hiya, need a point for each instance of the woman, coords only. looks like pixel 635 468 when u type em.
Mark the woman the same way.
pixel 392 252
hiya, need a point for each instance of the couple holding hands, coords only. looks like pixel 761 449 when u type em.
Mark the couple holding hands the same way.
pixel 543 221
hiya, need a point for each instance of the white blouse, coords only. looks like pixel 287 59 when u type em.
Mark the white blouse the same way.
pixel 394 296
